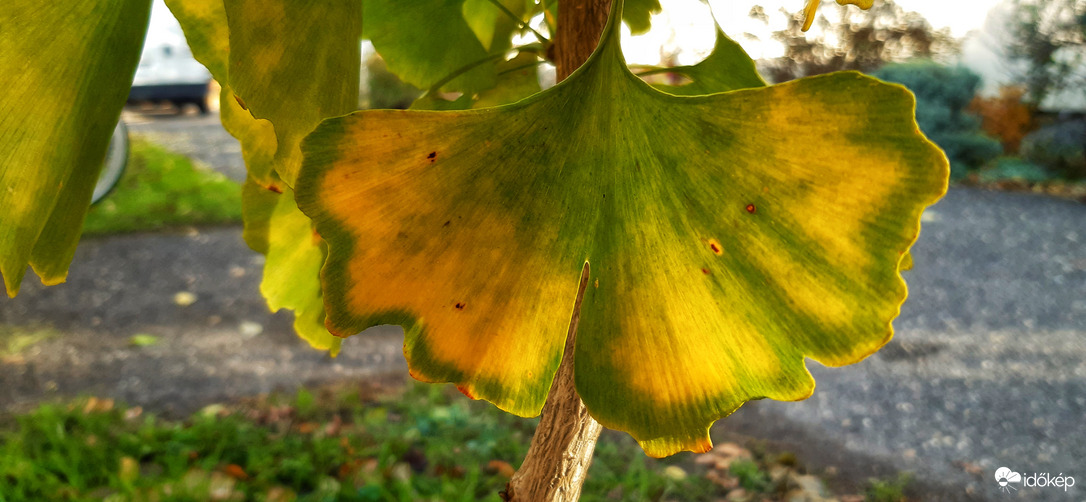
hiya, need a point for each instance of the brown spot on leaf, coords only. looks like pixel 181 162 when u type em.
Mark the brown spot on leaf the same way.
pixel 446 223
pixel 241 102
pixel 465 391
pixel 705 271
pixel 274 188
pixel 715 246
pixel 751 209
pixel 432 156
pixel 460 306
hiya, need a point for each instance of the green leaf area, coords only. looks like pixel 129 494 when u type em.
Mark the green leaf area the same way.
pixel 729 237
pixel 67 67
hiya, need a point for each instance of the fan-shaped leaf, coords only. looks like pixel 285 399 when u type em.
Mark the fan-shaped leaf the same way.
pixel 729 236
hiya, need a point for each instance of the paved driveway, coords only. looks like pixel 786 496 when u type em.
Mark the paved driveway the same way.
pixel 987 368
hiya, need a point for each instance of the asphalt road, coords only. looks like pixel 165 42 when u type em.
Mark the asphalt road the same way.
pixel 986 370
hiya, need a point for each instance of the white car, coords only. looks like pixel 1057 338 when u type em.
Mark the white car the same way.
pixel 167 71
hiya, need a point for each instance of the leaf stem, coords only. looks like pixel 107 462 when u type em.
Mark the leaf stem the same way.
pixel 516 19
pixel 472 65
pixel 557 462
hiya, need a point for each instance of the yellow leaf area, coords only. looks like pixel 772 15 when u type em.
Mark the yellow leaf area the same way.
pixel 67 68
pixel 729 236
pixel 811 9
pixel 273 224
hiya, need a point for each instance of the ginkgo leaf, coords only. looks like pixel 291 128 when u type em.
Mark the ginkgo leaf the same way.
pixel 208 36
pixel 294 254
pixel 424 41
pixel 294 63
pixel 273 224
pixel 811 9
pixel 493 25
pixel 729 237
pixel 638 14
pixel 65 82
pixel 727 68
pixel 517 79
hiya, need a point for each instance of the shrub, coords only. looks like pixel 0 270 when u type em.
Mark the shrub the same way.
pixel 1059 149
pixel 1014 169
pixel 943 94
pixel 1005 116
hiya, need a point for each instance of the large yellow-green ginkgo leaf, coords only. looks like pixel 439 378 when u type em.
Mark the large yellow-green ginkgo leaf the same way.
pixel 294 63
pixel 727 68
pixel 67 68
pixel 729 237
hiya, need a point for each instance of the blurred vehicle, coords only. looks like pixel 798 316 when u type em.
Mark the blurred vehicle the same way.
pixel 113 166
pixel 167 72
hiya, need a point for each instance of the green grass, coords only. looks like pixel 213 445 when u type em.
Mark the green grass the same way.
pixel 16 339
pixel 889 490
pixel 162 189
pixel 424 444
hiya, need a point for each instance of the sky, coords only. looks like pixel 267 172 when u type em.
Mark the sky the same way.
pixel 688 24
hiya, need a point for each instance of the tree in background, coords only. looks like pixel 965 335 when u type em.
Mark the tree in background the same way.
pixel 862 40
pixel 1006 116
pixel 1049 37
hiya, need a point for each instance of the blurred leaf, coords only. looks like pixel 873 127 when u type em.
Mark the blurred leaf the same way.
pixel 731 236
pixel 295 254
pixel 812 8
pixel 205 27
pixel 727 68
pixel 143 340
pixel 638 14
pixel 424 41
pixel 273 225
pixel 518 78
pixel 67 68
pixel 129 470
pixel 491 26
pixel 294 63
pixel 184 298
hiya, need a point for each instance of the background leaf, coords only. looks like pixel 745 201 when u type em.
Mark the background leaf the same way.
pixel 273 225
pixel 294 63
pixel 424 41
pixel 56 121
pixel 727 68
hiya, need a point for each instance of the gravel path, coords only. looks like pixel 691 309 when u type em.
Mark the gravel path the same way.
pixel 200 137
pixel 988 367
pixel 986 370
